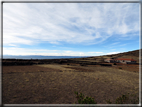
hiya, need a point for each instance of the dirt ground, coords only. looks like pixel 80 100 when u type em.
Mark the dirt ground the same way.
pixel 56 84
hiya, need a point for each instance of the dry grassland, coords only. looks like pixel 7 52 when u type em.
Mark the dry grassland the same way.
pixel 55 84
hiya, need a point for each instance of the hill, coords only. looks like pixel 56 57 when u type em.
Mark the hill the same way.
pixel 87 61
pixel 130 54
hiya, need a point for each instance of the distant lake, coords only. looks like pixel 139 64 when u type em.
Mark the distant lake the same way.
pixel 39 57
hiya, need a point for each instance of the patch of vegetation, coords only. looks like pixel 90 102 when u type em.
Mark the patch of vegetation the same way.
pixel 120 68
pixel 127 98
pixel 84 100
pixel 124 99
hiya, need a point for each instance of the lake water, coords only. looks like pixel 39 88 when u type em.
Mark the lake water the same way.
pixel 40 57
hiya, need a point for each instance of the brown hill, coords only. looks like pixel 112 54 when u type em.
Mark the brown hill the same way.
pixel 130 54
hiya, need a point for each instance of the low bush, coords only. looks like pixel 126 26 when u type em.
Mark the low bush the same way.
pixel 84 100
pixel 127 98
pixel 124 99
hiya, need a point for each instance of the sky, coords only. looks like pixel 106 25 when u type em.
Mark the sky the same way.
pixel 70 29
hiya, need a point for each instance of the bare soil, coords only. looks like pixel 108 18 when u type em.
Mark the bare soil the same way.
pixel 56 84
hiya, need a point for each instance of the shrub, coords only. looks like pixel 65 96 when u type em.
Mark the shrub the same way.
pixel 124 99
pixel 84 100
pixel 120 68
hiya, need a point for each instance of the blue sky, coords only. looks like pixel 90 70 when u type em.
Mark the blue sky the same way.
pixel 70 29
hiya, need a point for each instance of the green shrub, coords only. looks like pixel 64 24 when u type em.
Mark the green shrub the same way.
pixel 84 100
pixel 120 68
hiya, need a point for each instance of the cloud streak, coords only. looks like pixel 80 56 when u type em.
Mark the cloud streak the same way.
pixel 23 51
pixel 68 23
pixel 72 23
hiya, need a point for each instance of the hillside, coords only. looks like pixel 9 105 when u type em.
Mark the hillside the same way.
pixel 130 54
pixel 54 81
pixel 87 61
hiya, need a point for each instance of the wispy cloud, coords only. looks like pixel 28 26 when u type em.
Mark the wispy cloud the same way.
pixel 72 23
pixel 112 53
pixel 23 51
pixel 68 23
pixel 123 45
pixel 112 45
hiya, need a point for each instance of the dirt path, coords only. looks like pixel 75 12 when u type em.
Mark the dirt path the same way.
pixel 46 84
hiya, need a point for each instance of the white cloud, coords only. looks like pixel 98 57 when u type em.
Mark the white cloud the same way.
pixel 23 51
pixel 112 53
pixel 71 23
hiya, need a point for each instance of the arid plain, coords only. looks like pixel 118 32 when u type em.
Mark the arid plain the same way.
pixel 55 83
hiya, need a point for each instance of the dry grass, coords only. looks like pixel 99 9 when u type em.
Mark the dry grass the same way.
pixel 46 84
